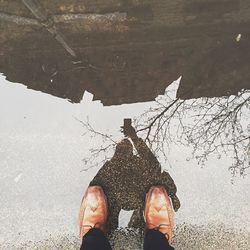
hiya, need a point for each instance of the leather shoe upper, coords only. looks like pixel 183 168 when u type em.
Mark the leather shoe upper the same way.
pixel 93 210
pixel 158 211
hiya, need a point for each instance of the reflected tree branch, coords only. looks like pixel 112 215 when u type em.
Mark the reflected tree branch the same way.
pixel 100 153
pixel 210 125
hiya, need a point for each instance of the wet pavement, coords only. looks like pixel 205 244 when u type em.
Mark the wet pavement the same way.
pixel 187 237
pixel 86 66
pixel 43 174
pixel 66 47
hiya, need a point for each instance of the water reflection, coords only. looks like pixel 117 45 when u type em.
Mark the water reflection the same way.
pixel 126 179
pixel 124 51
pixel 128 52
pixel 216 126
pixel 211 126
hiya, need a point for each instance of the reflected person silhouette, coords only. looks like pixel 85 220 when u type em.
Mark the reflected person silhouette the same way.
pixel 126 179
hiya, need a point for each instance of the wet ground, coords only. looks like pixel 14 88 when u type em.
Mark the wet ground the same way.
pixel 66 47
pixel 187 237
pixel 83 68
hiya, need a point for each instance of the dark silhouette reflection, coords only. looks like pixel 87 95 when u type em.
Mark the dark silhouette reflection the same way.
pixel 126 178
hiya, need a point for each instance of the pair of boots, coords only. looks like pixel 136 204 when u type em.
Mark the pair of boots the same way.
pixel 158 212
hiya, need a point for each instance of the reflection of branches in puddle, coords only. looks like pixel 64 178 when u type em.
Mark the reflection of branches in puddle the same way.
pixel 210 125
pixel 98 154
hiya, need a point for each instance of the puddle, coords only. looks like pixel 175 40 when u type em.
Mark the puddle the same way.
pixel 71 73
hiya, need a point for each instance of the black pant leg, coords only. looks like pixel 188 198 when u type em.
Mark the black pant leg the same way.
pixel 95 239
pixel 155 240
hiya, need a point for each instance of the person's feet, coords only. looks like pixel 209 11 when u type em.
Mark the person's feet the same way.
pixel 158 211
pixel 93 210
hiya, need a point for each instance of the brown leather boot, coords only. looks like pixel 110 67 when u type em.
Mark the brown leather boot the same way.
pixel 158 212
pixel 93 210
